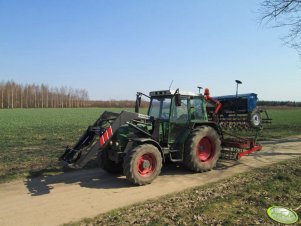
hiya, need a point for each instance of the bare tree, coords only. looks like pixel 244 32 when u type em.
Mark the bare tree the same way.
pixel 12 96
pixel 2 102
pixel 35 97
pixel 47 95
pixel 21 96
pixel 284 13
pixel 2 94
pixel 26 92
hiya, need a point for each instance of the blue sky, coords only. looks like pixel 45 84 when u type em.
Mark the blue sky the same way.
pixel 113 48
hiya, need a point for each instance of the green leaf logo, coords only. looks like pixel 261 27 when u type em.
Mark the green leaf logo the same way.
pixel 282 215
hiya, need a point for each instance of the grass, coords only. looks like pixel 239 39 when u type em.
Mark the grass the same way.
pixel 31 140
pixel 240 200
pixel 286 122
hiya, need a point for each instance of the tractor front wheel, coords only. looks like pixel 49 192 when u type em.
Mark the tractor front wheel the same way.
pixel 202 149
pixel 142 164
pixel 107 164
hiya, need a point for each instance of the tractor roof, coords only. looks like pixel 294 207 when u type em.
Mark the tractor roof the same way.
pixel 171 92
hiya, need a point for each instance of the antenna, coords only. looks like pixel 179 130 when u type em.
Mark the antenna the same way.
pixel 237 83
pixel 200 88
pixel 170 84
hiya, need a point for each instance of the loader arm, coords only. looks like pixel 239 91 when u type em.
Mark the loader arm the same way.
pixel 97 137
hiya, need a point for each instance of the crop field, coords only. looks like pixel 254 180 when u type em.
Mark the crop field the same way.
pixel 31 140
pixel 286 122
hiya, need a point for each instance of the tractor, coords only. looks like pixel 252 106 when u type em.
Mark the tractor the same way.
pixel 176 128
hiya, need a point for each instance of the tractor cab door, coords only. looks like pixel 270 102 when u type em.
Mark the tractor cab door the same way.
pixel 197 110
pixel 179 122
pixel 160 109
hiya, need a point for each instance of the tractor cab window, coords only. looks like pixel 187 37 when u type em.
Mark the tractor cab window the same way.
pixel 180 113
pixel 196 108
pixel 160 108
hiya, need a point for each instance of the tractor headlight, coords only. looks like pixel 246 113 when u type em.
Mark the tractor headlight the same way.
pixel 114 143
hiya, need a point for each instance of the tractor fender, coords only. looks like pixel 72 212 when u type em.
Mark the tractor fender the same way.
pixel 149 141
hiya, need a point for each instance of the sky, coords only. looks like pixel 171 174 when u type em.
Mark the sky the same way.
pixel 114 48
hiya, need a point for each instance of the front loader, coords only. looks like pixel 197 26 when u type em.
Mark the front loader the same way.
pixel 176 128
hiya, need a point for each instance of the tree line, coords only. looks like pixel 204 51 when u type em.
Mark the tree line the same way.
pixel 144 104
pixel 279 103
pixel 14 95
pixel 116 104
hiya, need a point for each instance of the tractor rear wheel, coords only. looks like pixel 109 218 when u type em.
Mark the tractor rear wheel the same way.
pixel 107 164
pixel 202 149
pixel 142 164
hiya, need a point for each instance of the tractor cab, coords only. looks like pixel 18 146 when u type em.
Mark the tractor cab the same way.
pixel 177 112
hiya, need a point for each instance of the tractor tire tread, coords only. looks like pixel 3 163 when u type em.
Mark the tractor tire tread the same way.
pixel 129 164
pixel 190 160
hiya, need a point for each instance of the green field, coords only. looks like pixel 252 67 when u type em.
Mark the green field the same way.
pixel 31 140
pixel 286 122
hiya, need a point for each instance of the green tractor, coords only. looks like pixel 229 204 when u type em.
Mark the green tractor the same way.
pixel 176 129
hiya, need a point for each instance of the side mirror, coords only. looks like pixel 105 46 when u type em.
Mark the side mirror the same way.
pixel 178 99
pixel 138 103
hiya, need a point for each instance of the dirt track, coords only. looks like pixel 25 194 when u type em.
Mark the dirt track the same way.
pixel 55 200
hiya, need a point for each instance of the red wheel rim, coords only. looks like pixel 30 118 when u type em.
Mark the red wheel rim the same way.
pixel 204 150
pixel 146 165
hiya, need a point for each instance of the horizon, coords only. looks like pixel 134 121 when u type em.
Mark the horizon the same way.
pixel 70 91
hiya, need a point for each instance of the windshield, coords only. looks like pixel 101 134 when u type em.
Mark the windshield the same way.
pixel 160 108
